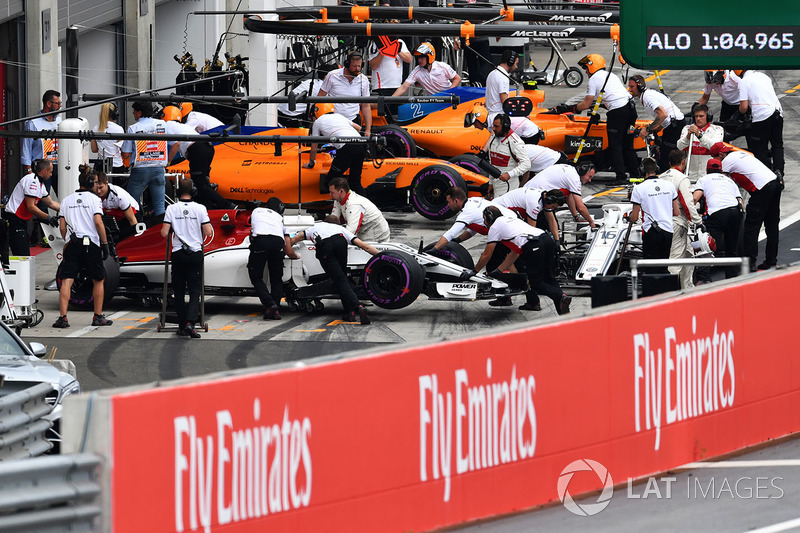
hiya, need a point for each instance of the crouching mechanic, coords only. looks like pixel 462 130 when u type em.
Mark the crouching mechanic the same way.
pixel 269 240
pixel 537 250
pixel 332 240
pixel 86 246
pixel 570 180
pixel 535 205
pixel 189 224
pixel 360 216
pixel 118 203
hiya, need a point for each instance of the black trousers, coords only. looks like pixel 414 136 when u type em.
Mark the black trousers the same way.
pixel 764 207
pixel 266 251
pixel 724 226
pixel 541 267
pixel 349 158
pixel 389 91
pixel 620 142
pixel 187 276
pixel 18 240
pixel 656 244
pixel 765 140
pixel 669 142
pixel 332 256
pixel 200 155
pixel 478 67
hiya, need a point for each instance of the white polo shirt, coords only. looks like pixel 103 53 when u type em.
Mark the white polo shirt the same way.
pixel 389 72
pixel 334 125
pixel 757 88
pixel 187 218
pixel 118 200
pixel 655 196
pixel 109 148
pixel 523 200
pixel 202 122
pixel 78 210
pixel 29 185
pixel 541 157
pixel 496 84
pixel 747 171
pixel 336 84
pixel 176 128
pixel 561 176
pixel 719 191
pixel 323 230
pixel 512 232
pixel 434 81
pixel 652 100
pixel 727 90
pixel 616 95
pixel 470 218
pixel 264 221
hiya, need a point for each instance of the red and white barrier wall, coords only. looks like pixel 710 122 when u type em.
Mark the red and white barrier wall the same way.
pixel 420 438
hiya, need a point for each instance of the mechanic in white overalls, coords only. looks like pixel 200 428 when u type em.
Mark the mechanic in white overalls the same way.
pixel 701 135
pixel 506 152
pixel 358 214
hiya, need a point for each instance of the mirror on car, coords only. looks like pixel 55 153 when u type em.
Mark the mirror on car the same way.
pixel 38 349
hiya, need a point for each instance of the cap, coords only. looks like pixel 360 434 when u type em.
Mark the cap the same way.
pixel 719 148
pixel 713 165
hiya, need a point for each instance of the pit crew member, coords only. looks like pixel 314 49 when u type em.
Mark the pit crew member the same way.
pixel 666 117
pixel 656 200
pixel 524 127
pixel 506 152
pixel 765 135
pixel 349 81
pixel 349 156
pixel 22 206
pixel 118 203
pixel 360 216
pixel 570 180
pixel 701 135
pixel 149 157
pixel 434 76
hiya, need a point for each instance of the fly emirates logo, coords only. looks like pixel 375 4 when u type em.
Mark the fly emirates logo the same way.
pixel 494 421
pixel 240 471
pixel 678 378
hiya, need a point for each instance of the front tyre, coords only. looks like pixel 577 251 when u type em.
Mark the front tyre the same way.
pixel 456 254
pixel 393 279
pixel 428 190
pixel 81 293
pixel 399 142
pixel 469 162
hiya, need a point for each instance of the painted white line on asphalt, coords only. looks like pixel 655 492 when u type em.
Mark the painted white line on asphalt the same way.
pixel 785 223
pixel 87 329
pixel 744 464
pixel 781 526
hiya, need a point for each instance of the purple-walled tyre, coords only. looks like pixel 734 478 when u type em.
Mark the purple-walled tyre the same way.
pixel 81 294
pixel 393 279
pixel 399 142
pixel 428 190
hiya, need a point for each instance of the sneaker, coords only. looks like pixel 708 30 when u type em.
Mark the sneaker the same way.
pixel 192 333
pixel 765 266
pixel 350 317
pixel 530 307
pixel 502 301
pixel 362 315
pixel 101 320
pixel 563 305
pixel 61 322
pixel 181 332
pixel 272 313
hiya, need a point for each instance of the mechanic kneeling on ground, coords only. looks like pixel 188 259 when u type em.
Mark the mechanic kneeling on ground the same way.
pixel 189 224
pixel 86 246
pixel 269 239
pixel 538 252
pixel 331 240
pixel 358 214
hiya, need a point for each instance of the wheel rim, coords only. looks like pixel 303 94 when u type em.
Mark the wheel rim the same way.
pixel 389 281
pixel 431 197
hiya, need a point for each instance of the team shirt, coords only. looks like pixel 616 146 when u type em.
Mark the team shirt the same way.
pixel 336 84
pixel 747 171
pixel 652 100
pixel 78 211
pixel 496 84
pixel 149 153
pixel 434 81
pixel 362 218
pixel 202 122
pixel 29 185
pixel 304 87
pixel 719 191
pixel 655 196
pixel 176 128
pixel 389 73
pixel 109 148
pixel 186 218
pixel 118 201
pixel 323 230
pixel 615 95
pixel 470 218
pixel 33 149
pixel 524 127
pixel 542 157
pixel 756 87
pixel 512 232
pixel 727 90
pixel 265 221
pixel 712 134
pixel 523 201
pixel 688 212
pixel 334 125
pixel 561 176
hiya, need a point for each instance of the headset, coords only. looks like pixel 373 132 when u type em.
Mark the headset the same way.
pixel 709 115
pixel 38 165
pixel 584 167
pixel 350 56
pixel 554 196
pixel 490 214
pixel 276 205
pixel 509 57
pixel 641 85
pixel 715 76
pixel 505 123
pixel 653 163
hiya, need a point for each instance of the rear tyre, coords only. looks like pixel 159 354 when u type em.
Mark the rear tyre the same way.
pixel 456 254
pixel 469 162
pixel 399 142
pixel 81 294
pixel 428 190
pixel 573 77
pixel 393 279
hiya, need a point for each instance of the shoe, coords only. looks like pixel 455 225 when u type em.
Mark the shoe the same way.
pixel 765 266
pixel 530 307
pixel 362 315
pixel 181 332
pixel 61 322
pixel 563 305
pixel 619 182
pixel 101 320
pixel 192 333
pixel 502 301
pixel 272 313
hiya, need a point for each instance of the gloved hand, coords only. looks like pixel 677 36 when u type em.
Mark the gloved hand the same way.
pixel 495 273
pixel 702 227
pixel 466 274
pixel 428 248
pixel 558 246
pixel 112 250
pixel 594 119
pixel 104 251
pixel 564 108
pixel 53 221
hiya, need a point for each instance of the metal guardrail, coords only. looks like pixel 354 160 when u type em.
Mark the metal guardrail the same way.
pixel 22 428
pixel 50 494
pixel 744 262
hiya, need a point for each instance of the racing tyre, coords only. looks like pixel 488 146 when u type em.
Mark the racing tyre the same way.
pixel 469 162
pixel 393 279
pixel 81 295
pixel 428 189
pixel 398 142
pixel 456 254
pixel 573 77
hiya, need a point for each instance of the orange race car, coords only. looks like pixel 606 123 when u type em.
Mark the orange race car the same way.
pixel 247 172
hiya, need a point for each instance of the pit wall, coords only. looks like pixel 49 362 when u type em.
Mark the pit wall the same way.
pixel 425 437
